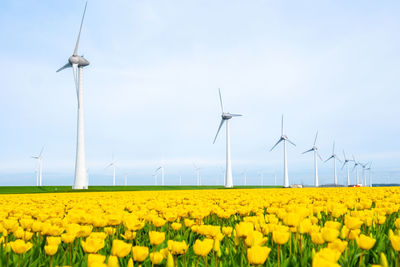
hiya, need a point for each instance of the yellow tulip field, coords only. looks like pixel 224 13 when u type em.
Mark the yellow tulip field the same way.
pixel 239 227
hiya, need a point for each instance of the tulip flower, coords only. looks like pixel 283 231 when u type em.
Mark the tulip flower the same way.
pixel 365 242
pixel 96 260
pixel 156 238
pixel 202 248
pixel 112 261
pixel 140 253
pixel 257 255
pixel 156 257
pixel 120 248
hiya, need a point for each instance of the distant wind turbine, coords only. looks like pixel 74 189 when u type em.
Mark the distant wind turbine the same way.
pixel 112 164
pixel 364 166
pixel 356 168
pixel 197 170
pixel 40 166
pixel 346 163
pixel 285 139
pixel 316 156
pixel 369 173
pixel 161 167
pixel 78 63
pixel 244 177
pixel 334 157
pixel 225 117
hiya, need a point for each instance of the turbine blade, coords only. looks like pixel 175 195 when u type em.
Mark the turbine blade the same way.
pixel 41 151
pixel 319 156
pixel 158 168
pixel 219 128
pixel 315 140
pixel 333 149
pixel 79 35
pixel 344 155
pixel 338 159
pixel 68 65
pixel 329 158
pixel 282 126
pixel 307 151
pixel 235 115
pixel 344 163
pixel 291 142
pixel 220 100
pixel 280 140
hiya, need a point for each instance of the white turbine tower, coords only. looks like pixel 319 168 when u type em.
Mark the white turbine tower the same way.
pixel 334 157
pixel 225 117
pixel 78 63
pixel 356 168
pixel 244 177
pixel 161 167
pixel 364 166
pixel 197 170
pixel 112 164
pixel 316 156
pixel 285 139
pixel 40 166
pixel 346 163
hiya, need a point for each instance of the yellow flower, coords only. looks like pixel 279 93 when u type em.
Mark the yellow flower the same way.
pixel 227 231
pixel 92 245
pixel 257 255
pixel 338 245
pixel 395 241
pixel 384 261
pixel 170 260
pixel 280 237
pixel 188 222
pixel 53 241
pixel 317 238
pixel 326 257
pixel 202 248
pixel 112 261
pixel 255 238
pixel 329 234
pixel 344 232
pixel 95 260
pixel 353 234
pixel 51 249
pixel 109 230
pixel 156 257
pixel 365 242
pixel 19 246
pixel 68 238
pixel 129 235
pixel 156 238
pixel 244 228
pixel 352 222
pixel 130 263
pixel 177 247
pixel 140 253
pixel 120 248
pixel 176 226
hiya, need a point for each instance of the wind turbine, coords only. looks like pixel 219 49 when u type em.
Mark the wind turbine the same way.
pixel 364 166
pixel 161 167
pixel 244 177
pixel 334 157
pixel 355 168
pixel 78 63
pixel 112 164
pixel 225 117
pixel 40 165
pixel 285 139
pixel 346 163
pixel 197 170
pixel 316 156
pixel 369 173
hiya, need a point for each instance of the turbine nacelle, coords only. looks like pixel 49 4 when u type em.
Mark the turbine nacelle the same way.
pixel 79 61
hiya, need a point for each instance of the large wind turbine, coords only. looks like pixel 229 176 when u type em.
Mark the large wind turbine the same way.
pixel 346 163
pixel 112 164
pixel 78 63
pixel 225 117
pixel 355 168
pixel 40 165
pixel 161 167
pixel 334 157
pixel 316 155
pixel 285 139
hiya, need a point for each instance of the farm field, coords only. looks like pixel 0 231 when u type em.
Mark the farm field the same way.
pixel 242 227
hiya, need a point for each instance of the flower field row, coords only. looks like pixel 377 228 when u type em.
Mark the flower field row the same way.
pixel 256 227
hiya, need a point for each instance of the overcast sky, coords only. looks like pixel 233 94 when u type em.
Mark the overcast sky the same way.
pixel 151 90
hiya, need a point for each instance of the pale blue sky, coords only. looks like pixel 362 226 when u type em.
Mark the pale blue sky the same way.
pixel 151 89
